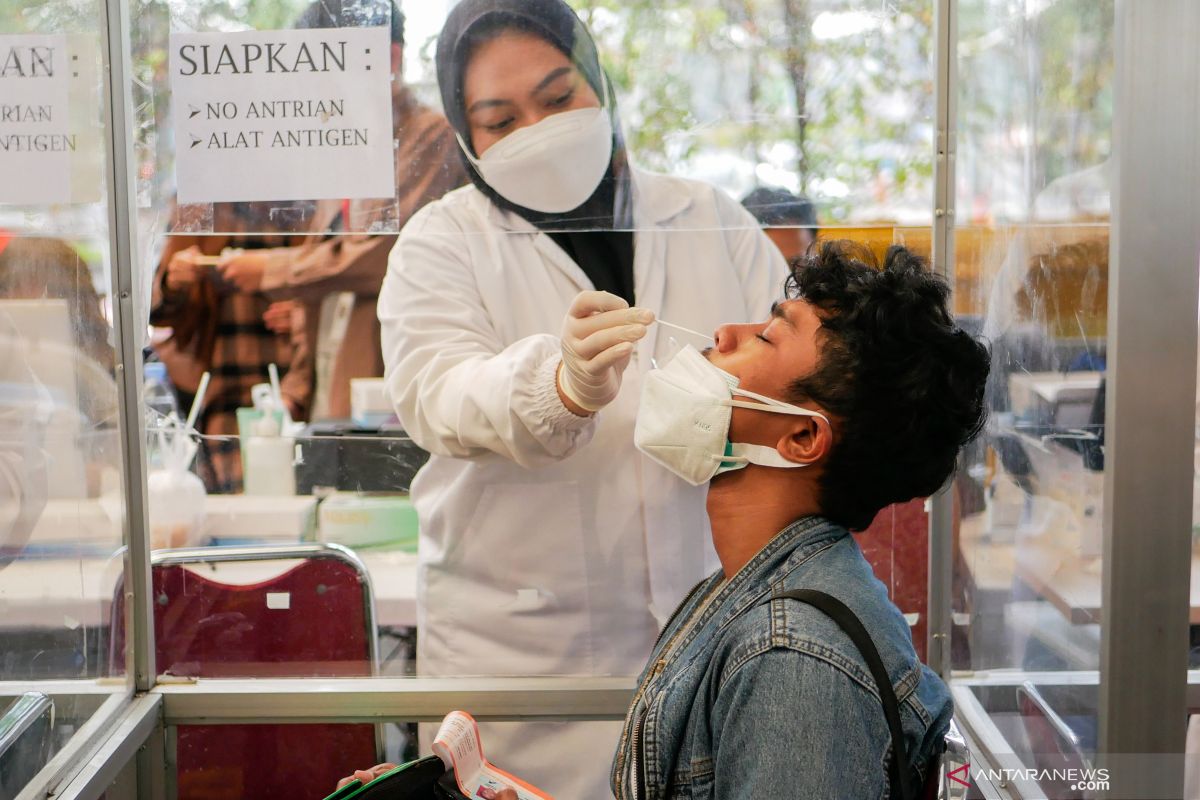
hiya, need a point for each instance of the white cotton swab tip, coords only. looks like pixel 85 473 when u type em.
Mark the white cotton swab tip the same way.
pixel 703 336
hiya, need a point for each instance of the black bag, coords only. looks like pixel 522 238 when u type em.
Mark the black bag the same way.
pixel 424 779
pixel 837 611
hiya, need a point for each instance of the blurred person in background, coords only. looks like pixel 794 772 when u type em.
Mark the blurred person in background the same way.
pixel 76 390
pixel 790 221
pixel 43 268
pixel 335 275
pixel 232 334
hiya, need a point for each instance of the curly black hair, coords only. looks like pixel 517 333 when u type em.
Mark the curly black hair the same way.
pixel 904 383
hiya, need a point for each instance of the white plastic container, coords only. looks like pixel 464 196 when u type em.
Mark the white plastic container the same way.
pixel 269 459
pixel 176 499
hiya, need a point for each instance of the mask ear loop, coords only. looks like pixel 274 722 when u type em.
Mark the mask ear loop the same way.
pixel 772 406
pixel 767 456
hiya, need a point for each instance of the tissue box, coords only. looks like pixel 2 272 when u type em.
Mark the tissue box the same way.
pixel 369 520
pixel 244 519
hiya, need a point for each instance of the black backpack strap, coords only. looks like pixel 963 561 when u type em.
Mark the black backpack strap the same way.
pixel 846 620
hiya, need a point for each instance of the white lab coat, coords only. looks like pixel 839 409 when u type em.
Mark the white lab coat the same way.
pixel 549 545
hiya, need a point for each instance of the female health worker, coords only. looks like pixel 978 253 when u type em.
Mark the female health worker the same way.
pixel 513 311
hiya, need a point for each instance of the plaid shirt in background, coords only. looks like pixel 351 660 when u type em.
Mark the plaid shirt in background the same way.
pixel 228 335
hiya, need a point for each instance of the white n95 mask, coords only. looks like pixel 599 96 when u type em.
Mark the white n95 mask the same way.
pixel 683 420
pixel 551 166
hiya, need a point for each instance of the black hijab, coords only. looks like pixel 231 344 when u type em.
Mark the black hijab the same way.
pixel 597 235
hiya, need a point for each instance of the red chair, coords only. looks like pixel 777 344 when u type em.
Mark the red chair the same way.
pixel 316 619
pixel 897 547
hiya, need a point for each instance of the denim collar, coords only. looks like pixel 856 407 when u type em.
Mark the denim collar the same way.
pixel 788 549
pixel 791 547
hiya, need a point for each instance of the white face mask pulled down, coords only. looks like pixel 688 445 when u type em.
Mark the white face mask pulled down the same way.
pixel 552 166
pixel 684 416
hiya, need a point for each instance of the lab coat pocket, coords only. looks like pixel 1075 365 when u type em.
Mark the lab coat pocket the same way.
pixel 517 589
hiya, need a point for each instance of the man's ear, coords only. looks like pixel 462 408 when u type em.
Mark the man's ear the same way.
pixel 808 441
pixel 397 56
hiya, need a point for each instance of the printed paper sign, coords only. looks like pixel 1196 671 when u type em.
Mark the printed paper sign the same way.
pixel 282 115
pixel 50 144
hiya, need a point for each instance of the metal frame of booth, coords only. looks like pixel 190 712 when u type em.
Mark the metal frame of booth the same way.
pixel 1152 330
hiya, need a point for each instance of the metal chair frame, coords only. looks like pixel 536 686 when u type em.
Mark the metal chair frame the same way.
pixel 187 556
pixel 1067 736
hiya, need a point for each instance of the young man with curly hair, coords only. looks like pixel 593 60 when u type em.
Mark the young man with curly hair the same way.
pixel 858 392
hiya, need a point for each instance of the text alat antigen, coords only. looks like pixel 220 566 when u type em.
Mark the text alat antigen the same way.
pixel 308 137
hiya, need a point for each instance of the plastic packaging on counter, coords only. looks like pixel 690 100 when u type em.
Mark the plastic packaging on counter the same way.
pixel 176 495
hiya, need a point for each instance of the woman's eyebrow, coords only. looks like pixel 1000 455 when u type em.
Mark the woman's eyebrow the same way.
pixel 551 77
pixel 480 105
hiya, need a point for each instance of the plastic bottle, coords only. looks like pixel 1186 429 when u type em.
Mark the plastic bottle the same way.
pixel 160 408
pixel 157 391
pixel 269 457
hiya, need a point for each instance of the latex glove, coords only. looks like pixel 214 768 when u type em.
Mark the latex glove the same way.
pixel 597 342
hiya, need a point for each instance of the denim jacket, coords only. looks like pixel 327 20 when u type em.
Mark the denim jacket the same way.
pixel 749 698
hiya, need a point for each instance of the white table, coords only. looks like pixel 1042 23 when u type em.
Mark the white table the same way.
pixel 48 593
pixel 75 591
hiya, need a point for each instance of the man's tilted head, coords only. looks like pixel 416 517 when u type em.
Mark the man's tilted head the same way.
pixel 877 351
pixel 904 381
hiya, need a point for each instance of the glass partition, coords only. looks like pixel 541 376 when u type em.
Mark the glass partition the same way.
pixel 355 466
pixel 360 458
pixel 1031 261
pixel 281 149
pixel 62 505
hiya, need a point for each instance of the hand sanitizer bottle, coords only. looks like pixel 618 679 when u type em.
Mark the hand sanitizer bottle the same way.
pixel 269 457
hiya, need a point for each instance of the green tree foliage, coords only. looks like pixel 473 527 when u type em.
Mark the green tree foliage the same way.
pixel 845 116
pixel 1035 102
